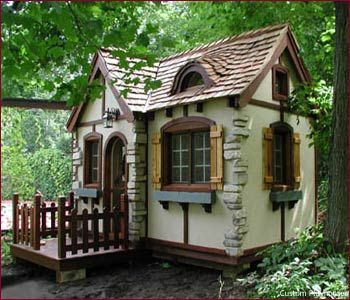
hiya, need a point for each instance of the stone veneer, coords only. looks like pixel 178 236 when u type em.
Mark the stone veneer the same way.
pixel 136 159
pixel 232 195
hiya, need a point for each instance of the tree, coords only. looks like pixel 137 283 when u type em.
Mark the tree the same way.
pixel 336 229
pixel 48 46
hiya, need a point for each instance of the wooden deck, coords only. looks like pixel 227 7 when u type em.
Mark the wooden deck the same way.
pixel 47 256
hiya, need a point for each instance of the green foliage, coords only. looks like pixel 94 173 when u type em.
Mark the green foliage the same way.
pixel 48 46
pixel 52 172
pixel 27 136
pixel 187 24
pixel 6 257
pixel 301 268
pixel 315 101
pixel 322 195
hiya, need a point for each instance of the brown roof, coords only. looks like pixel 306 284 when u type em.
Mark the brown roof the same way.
pixel 235 65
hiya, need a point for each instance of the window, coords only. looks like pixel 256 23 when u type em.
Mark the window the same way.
pixel 192 79
pixel 191 76
pixel 281 157
pixel 280 87
pixel 190 158
pixel 186 154
pixel 92 160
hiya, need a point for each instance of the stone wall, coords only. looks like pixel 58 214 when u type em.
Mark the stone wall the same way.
pixel 136 159
pixel 232 195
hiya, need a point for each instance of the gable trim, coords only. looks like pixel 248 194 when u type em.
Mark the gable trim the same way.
pixel 99 65
pixel 286 42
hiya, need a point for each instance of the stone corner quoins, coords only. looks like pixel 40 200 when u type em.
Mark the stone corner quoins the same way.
pixel 232 195
pixel 136 160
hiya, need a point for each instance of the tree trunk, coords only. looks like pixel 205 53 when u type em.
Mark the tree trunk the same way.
pixel 336 229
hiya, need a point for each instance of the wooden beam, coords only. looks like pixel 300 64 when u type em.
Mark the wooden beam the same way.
pixel 34 103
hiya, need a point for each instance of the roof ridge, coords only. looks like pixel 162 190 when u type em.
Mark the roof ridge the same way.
pixel 250 33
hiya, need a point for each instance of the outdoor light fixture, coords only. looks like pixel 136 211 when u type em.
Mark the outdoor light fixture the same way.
pixel 110 115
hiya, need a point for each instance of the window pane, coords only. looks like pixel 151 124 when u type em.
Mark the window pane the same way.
pixel 175 174
pixel 184 157
pixel 175 142
pixel 207 174
pixel 184 174
pixel 198 174
pixel 184 141
pixel 198 157
pixel 176 158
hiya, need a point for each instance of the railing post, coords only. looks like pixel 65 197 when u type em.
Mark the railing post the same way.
pixel 71 200
pixel 15 217
pixel 35 230
pixel 61 235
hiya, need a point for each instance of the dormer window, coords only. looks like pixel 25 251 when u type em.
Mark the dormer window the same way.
pixel 191 77
pixel 280 86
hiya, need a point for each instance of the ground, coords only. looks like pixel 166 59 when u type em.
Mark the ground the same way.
pixel 152 279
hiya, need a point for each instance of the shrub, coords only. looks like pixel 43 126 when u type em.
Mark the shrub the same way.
pixel 303 267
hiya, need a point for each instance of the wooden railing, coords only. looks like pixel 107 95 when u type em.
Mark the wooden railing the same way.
pixel 74 231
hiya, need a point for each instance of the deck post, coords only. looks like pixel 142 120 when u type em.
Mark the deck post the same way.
pixel 35 230
pixel 61 235
pixel 15 217
pixel 71 200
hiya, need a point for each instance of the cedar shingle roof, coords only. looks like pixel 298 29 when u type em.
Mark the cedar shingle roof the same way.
pixel 236 66
pixel 231 63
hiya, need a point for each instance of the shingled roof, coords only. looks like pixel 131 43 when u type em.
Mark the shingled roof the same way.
pixel 235 66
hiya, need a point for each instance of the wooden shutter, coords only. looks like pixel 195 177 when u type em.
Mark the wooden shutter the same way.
pixel 216 157
pixel 156 160
pixel 267 158
pixel 296 160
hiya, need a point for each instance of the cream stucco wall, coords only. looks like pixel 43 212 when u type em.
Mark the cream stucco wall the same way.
pixel 205 229
pixel 264 223
pixel 93 112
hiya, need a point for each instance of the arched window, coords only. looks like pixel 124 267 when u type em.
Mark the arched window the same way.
pixel 192 79
pixel 193 75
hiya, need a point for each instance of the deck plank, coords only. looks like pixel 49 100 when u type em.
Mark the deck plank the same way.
pixel 47 256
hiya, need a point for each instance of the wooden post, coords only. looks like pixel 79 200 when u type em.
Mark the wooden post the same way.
pixel 85 231
pixel 71 200
pixel 61 228
pixel 15 217
pixel 106 228
pixel 73 229
pixel 95 229
pixel 36 222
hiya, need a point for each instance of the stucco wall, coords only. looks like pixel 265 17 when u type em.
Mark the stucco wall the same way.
pixel 264 224
pixel 205 229
pixel 136 139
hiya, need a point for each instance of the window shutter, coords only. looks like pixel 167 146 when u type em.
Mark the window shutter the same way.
pixel 216 157
pixel 296 160
pixel 156 161
pixel 267 158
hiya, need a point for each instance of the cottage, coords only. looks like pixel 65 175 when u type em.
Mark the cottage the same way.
pixel 209 168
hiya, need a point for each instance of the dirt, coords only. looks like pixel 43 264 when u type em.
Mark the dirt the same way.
pixel 154 279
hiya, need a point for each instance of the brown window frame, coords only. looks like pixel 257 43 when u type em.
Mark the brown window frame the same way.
pixel 279 70
pixel 286 131
pixel 89 139
pixel 188 125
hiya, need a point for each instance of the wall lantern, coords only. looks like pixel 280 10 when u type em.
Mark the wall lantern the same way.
pixel 110 115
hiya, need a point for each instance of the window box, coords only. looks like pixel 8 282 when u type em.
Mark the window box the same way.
pixel 89 193
pixel 185 197
pixel 287 196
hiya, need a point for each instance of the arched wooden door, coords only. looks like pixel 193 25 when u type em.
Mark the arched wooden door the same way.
pixel 115 180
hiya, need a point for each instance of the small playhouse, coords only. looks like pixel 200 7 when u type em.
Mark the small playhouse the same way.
pixel 208 169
